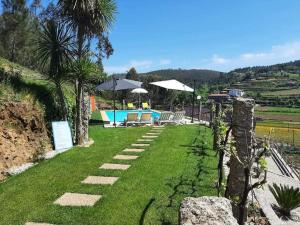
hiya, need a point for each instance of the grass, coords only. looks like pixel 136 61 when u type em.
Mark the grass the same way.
pixel 289 92
pixel 148 193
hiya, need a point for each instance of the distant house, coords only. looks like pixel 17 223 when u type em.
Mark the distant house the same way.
pixel 236 93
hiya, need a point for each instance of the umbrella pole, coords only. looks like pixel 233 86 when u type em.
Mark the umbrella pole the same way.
pixel 114 96
pixel 139 100
pixel 193 107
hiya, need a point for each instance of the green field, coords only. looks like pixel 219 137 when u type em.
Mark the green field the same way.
pixel 149 192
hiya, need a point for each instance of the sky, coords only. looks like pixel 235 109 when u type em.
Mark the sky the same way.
pixel 203 34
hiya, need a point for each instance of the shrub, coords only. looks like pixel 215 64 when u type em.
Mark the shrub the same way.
pixel 288 198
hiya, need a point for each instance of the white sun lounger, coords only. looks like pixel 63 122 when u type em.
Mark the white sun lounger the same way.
pixel 165 117
pixel 179 117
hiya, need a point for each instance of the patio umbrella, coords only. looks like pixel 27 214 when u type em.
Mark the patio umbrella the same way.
pixel 176 85
pixel 173 85
pixel 139 91
pixel 117 85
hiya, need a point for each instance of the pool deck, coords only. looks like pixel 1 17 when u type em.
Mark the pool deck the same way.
pixel 104 117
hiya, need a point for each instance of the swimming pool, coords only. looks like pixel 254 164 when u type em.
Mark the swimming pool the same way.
pixel 121 115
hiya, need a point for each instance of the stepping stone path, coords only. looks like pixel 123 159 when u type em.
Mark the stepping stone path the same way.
pixel 144 140
pixel 100 180
pixel 126 157
pixel 152 134
pixel 33 223
pixel 133 150
pixel 112 166
pixel 140 145
pixel 144 136
pixel 76 199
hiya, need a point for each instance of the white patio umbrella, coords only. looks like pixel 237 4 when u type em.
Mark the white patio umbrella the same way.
pixel 173 85
pixel 139 91
pixel 176 85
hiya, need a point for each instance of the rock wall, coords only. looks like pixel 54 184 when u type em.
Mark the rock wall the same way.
pixel 206 211
pixel 23 135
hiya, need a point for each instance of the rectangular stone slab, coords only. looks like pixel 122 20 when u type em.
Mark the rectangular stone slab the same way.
pixel 76 199
pixel 153 133
pixel 114 166
pixel 144 140
pixel 126 157
pixel 149 136
pixel 100 180
pixel 140 145
pixel 133 150
pixel 33 223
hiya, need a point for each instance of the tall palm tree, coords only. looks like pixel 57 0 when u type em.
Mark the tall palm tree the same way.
pixel 88 19
pixel 54 48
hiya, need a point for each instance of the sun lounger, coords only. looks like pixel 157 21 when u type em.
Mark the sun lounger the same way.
pixel 179 117
pixel 132 118
pixel 145 105
pixel 165 117
pixel 130 106
pixel 146 118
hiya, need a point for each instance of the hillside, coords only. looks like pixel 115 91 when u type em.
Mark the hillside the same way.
pixel 276 85
pixel 184 75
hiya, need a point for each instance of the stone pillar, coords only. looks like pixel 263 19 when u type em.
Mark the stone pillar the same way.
pixel 242 132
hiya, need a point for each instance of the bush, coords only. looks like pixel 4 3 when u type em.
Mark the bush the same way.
pixel 288 198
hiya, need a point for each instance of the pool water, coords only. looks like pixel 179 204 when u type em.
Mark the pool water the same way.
pixel 121 115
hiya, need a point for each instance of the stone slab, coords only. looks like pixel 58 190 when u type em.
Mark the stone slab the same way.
pixel 100 180
pixel 133 150
pixel 140 145
pixel 114 166
pixel 144 140
pixel 33 223
pixel 144 136
pixel 76 199
pixel 156 133
pixel 126 157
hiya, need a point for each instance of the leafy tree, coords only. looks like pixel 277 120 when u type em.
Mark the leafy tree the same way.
pixel 88 19
pixel 54 48
pixel 132 74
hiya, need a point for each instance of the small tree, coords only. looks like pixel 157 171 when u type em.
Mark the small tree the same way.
pixel 55 52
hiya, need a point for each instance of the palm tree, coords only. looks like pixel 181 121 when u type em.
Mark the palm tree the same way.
pixel 88 19
pixel 55 51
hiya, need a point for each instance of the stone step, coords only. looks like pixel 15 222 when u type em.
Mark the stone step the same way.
pixel 114 166
pixel 140 145
pixel 133 150
pixel 126 157
pixel 149 136
pixel 152 134
pixel 33 223
pixel 100 180
pixel 77 199
pixel 144 140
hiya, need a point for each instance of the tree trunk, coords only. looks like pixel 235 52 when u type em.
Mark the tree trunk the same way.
pixel 63 106
pixel 85 116
pixel 79 138
pixel 242 131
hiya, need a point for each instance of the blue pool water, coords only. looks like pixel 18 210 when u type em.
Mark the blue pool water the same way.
pixel 121 115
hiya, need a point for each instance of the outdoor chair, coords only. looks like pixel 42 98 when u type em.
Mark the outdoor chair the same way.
pixel 132 118
pixel 179 117
pixel 165 117
pixel 146 118
pixel 130 106
pixel 145 105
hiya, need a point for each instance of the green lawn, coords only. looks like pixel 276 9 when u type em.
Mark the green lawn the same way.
pixel 179 163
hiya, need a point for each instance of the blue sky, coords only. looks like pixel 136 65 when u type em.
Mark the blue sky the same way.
pixel 207 34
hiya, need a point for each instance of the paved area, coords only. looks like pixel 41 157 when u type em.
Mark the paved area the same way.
pixel 126 157
pixel 113 166
pixel 133 150
pixel 76 199
pixel 100 180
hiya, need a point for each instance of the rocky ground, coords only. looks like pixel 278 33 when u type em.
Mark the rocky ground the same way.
pixel 23 135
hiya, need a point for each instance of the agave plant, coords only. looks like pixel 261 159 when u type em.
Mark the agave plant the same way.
pixel 288 198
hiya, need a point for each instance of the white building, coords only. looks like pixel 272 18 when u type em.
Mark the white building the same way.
pixel 236 93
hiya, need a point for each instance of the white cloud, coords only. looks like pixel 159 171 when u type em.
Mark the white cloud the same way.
pixel 277 54
pixel 139 65
pixel 164 62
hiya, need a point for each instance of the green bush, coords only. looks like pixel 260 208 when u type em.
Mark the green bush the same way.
pixel 288 198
